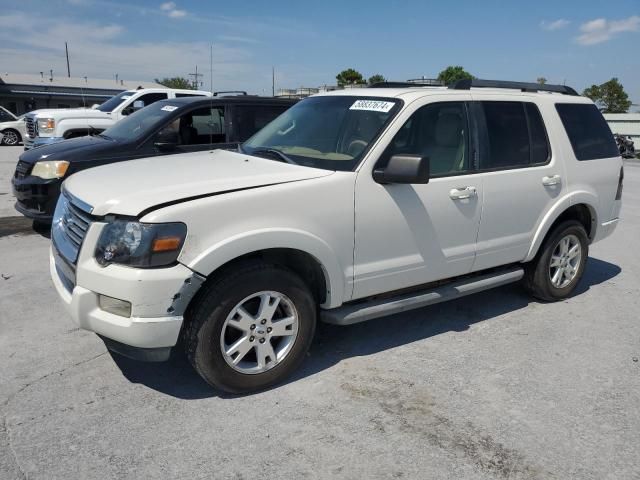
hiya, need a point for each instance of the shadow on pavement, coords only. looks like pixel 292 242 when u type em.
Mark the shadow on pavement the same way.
pixel 332 343
pixel 22 226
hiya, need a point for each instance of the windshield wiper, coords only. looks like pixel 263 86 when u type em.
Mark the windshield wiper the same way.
pixel 274 152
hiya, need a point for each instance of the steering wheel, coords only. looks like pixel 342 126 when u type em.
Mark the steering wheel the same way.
pixel 355 144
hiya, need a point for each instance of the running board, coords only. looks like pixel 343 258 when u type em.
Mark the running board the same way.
pixel 361 312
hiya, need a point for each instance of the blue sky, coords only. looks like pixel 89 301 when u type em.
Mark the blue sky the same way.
pixel 579 43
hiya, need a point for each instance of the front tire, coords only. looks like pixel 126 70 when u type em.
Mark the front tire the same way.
pixel 11 138
pixel 557 269
pixel 251 327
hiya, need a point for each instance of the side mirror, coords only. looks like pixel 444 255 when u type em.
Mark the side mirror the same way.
pixel 404 169
pixel 166 140
pixel 137 105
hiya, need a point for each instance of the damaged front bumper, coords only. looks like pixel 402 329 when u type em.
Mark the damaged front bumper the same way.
pixel 158 299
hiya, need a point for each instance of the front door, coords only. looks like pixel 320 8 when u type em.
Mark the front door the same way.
pixel 407 235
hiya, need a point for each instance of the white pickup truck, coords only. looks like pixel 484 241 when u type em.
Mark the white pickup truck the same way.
pixel 53 125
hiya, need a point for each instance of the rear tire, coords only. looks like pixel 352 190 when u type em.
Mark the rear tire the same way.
pixel 559 265
pixel 251 327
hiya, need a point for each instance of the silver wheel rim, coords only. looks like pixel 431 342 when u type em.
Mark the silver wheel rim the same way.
pixel 10 138
pixel 259 332
pixel 565 261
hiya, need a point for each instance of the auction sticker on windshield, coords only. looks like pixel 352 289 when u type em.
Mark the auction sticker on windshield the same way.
pixel 372 105
pixel 168 108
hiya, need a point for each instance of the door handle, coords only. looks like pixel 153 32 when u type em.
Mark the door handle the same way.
pixel 462 193
pixel 551 180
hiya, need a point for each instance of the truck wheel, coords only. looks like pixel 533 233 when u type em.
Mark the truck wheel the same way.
pixel 11 137
pixel 250 328
pixel 560 263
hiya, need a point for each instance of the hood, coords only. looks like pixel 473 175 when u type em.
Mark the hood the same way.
pixel 129 188
pixel 74 149
pixel 69 113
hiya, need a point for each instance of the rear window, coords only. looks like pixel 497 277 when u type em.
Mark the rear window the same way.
pixel 588 132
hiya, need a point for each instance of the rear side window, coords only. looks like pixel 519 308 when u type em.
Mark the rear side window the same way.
pixel 251 118
pixel 514 135
pixel 181 95
pixel 588 132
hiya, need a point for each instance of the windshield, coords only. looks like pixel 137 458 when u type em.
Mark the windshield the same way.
pixel 113 102
pixel 141 122
pixel 330 132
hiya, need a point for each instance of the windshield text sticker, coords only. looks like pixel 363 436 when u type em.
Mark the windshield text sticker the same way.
pixel 169 108
pixel 372 105
pixel 126 97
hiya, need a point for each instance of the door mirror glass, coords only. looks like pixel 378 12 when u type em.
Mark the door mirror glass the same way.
pixel 404 169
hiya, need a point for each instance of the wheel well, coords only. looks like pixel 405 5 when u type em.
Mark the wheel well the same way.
pixel 302 263
pixel 582 213
pixel 12 130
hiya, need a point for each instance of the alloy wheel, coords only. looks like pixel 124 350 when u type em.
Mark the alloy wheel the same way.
pixel 565 261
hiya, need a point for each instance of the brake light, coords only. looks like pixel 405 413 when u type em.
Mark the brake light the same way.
pixel 619 192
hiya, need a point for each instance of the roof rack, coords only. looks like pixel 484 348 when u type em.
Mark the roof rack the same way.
pixel 466 84
pixel 401 85
pixel 227 92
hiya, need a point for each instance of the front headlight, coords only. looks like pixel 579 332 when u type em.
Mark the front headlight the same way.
pixel 141 245
pixel 50 169
pixel 46 125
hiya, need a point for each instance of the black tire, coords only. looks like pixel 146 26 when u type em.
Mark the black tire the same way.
pixel 537 277
pixel 205 321
pixel 14 135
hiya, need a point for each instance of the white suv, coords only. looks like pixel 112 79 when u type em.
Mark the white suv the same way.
pixel 350 206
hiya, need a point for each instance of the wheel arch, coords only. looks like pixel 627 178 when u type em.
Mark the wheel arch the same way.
pixel 579 206
pixel 305 254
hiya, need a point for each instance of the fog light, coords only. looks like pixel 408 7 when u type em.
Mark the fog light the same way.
pixel 115 306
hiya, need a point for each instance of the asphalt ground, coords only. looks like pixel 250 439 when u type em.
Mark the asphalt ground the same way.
pixel 492 386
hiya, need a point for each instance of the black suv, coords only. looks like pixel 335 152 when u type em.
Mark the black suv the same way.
pixel 172 126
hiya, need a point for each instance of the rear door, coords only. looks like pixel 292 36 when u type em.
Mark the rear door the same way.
pixel 522 176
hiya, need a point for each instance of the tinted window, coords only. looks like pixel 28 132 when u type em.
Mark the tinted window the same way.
pixel 437 131
pixel 5 117
pixel 141 122
pixel 113 102
pixel 539 141
pixel 150 98
pixel 507 136
pixel 180 95
pixel 251 118
pixel 590 136
pixel 202 126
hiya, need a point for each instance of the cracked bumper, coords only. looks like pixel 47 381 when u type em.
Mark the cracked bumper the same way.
pixel 150 292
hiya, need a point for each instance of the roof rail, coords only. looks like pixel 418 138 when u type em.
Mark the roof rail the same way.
pixel 227 92
pixel 401 85
pixel 466 84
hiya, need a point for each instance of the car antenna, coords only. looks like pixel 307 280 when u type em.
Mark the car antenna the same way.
pixel 211 92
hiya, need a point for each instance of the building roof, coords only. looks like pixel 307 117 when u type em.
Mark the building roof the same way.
pixel 26 79
pixel 622 117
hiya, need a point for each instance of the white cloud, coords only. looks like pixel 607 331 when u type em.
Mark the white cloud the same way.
pixel 554 25
pixel 169 8
pixel 601 30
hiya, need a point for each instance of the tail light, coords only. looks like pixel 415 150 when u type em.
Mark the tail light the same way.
pixel 619 192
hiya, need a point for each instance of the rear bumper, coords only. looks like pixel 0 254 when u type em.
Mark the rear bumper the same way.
pixel 605 229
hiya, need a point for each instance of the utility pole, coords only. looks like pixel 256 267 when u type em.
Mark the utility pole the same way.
pixel 273 81
pixel 196 80
pixel 211 68
pixel 66 49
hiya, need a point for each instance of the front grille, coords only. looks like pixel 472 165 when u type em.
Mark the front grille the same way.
pixel 22 169
pixel 32 127
pixel 69 227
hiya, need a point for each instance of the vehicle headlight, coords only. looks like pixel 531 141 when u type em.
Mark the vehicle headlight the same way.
pixel 46 124
pixel 50 169
pixel 141 245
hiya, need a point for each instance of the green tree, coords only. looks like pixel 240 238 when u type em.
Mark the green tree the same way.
pixel 377 78
pixel 349 77
pixel 610 96
pixel 176 82
pixel 453 73
pixel 541 80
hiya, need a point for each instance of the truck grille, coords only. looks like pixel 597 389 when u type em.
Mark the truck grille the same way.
pixel 70 225
pixel 22 169
pixel 32 126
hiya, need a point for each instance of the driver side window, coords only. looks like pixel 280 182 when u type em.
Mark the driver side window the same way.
pixel 438 131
